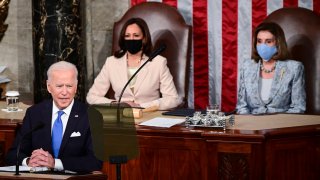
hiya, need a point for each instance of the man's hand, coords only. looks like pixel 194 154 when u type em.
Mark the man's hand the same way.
pixel 41 158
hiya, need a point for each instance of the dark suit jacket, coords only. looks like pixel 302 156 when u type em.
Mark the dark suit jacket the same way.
pixel 76 153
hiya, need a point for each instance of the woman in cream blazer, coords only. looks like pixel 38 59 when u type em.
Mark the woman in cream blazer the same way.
pixel 153 79
pixel 152 87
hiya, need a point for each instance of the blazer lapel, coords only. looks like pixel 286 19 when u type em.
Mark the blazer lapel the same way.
pixel 72 121
pixel 123 72
pixel 255 82
pixel 277 77
pixel 141 76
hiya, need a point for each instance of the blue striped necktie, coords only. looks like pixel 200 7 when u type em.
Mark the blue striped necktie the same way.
pixel 57 134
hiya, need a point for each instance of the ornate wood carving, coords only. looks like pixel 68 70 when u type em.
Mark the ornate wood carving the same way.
pixel 4 7
pixel 233 166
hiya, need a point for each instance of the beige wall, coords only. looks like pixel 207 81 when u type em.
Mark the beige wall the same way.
pixel 16 51
pixel 100 16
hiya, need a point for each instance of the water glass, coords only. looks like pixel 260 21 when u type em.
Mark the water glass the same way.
pixel 12 98
pixel 213 109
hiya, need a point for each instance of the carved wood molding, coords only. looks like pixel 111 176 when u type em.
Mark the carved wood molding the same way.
pixel 4 7
pixel 233 166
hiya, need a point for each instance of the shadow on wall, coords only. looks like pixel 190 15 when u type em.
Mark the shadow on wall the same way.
pixel 302 49
pixel 166 37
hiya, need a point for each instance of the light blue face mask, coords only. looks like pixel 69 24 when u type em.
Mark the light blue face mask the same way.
pixel 266 52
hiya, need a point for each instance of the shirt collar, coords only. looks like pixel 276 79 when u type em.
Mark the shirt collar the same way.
pixel 66 110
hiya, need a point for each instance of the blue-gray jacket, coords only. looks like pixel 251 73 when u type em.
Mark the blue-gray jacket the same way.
pixel 287 90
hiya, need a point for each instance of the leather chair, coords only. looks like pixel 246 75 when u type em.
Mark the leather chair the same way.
pixel 302 30
pixel 166 26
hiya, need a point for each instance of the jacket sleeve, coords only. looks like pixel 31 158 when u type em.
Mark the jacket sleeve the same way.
pixel 298 95
pixel 170 98
pixel 242 106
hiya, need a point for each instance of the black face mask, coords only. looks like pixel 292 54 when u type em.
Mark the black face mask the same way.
pixel 133 46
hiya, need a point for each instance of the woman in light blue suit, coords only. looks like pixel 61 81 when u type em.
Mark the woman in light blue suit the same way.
pixel 271 82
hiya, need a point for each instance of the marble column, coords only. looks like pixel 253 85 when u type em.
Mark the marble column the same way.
pixel 4 7
pixel 57 36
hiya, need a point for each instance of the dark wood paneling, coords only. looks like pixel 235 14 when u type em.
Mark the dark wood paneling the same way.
pixel 169 158
pixel 293 158
pixel 181 153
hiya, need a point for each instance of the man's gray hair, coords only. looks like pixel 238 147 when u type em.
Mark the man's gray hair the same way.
pixel 62 65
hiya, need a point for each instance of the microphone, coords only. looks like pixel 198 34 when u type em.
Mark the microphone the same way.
pixel 37 127
pixel 157 51
pixel 120 159
pixel 152 55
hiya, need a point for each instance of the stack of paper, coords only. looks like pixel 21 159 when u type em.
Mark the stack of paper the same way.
pixel 3 79
pixel 162 122
pixel 23 169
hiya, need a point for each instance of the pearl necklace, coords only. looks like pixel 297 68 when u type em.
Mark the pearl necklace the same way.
pixel 268 70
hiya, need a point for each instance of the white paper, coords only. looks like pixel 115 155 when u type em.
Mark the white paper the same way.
pixel 23 169
pixel 2 68
pixel 162 122
pixel 6 110
pixel 4 79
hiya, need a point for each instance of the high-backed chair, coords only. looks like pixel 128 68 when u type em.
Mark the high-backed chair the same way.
pixel 302 30
pixel 166 26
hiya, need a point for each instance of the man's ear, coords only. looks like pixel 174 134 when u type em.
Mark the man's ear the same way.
pixel 48 87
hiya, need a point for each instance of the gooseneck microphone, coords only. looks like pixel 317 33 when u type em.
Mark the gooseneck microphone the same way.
pixel 37 127
pixel 121 159
pixel 152 55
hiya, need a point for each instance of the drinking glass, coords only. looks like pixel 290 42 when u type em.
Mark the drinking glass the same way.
pixel 213 109
pixel 12 98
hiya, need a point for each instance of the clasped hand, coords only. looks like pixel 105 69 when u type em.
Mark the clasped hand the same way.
pixel 41 158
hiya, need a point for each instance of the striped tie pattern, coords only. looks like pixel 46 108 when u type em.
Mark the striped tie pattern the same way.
pixel 57 134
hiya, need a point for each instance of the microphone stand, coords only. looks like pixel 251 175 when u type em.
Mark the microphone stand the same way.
pixel 153 55
pixel 121 159
pixel 125 86
pixel 17 162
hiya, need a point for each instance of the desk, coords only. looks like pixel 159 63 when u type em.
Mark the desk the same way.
pixel 282 146
pixel 9 121
pixel 10 175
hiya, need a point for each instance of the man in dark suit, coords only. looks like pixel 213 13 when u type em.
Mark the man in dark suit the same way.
pixel 64 142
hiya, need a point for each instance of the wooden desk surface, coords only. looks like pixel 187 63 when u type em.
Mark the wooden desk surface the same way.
pixel 254 122
pixel 15 116
pixel 242 122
